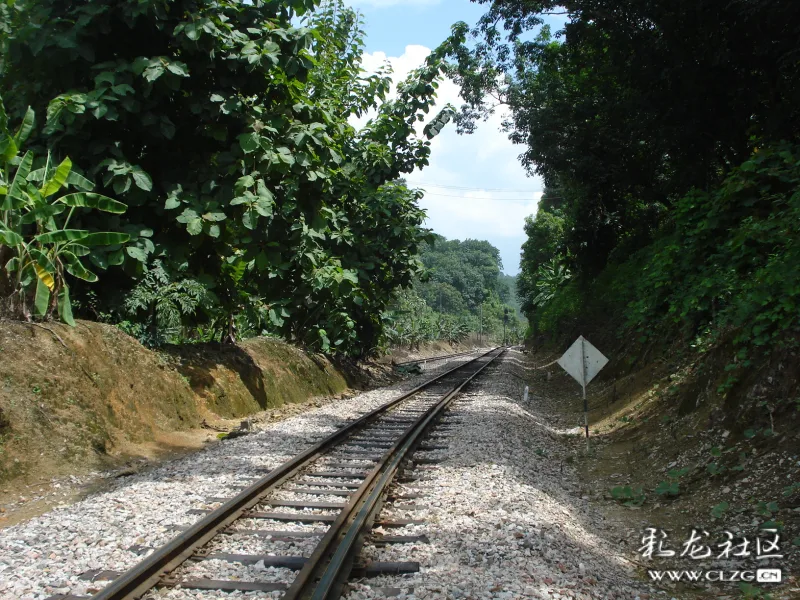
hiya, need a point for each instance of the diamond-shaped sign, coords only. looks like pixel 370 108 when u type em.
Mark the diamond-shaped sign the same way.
pixel 583 361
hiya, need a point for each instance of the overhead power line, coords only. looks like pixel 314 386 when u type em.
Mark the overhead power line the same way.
pixel 473 189
pixel 482 197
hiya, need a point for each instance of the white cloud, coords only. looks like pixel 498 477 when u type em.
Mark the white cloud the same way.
pixel 499 194
pixel 483 215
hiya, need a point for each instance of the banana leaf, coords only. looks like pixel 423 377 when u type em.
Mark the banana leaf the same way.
pixel 76 269
pixel 59 178
pixel 8 237
pixel 79 181
pixel 42 260
pixel 42 299
pixel 65 307
pixel 40 213
pixel 62 235
pixel 98 201
pixel 15 197
pixel 105 238
pixel 25 128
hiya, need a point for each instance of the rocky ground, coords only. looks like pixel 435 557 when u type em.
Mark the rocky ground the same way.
pixel 504 512
pixel 107 530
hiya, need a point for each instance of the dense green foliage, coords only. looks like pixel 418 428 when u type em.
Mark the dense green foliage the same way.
pixel 37 245
pixel 463 291
pixel 731 258
pixel 224 128
pixel 509 282
pixel 666 133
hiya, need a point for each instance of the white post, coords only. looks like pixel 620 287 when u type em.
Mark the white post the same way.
pixel 525 395
pixel 583 388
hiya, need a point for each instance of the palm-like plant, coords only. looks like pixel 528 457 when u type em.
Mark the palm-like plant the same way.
pixel 164 303
pixel 549 278
pixel 37 246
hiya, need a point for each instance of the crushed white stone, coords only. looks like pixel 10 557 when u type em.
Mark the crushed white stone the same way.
pixel 503 520
pixel 45 555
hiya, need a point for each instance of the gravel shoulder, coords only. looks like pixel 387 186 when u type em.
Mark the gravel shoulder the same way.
pixel 504 511
pixel 45 555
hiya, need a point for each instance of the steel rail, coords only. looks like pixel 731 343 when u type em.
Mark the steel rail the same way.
pixel 330 562
pixel 434 358
pixel 147 573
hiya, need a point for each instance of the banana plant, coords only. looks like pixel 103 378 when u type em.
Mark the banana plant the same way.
pixel 37 245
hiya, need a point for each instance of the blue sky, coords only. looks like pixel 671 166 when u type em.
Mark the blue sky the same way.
pixel 475 186
pixel 392 25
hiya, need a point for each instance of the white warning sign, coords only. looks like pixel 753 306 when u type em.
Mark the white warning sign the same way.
pixel 582 361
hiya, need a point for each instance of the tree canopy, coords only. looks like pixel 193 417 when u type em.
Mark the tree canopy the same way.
pixel 224 127
pixel 633 103
pixel 667 133
pixel 462 290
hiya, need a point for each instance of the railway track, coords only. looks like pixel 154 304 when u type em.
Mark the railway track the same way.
pixel 323 503
pixel 433 359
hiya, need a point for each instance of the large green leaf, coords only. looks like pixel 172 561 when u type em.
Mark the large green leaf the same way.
pixel 79 181
pixel 250 218
pixel 75 268
pixel 116 258
pixel 59 178
pixel 37 175
pixel 43 261
pixel 62 235
pixel 65 307
pixel 249 142
pixel 105 238
pixel 79 250
pixel 42 212
pixel 137 254
pixel 25 127
pixel 8 148
pixel 274 318
pixel 91 200
pixel 12 265
pixel 42 298
pixel 10 203
pixel 18 185
pixel 142 179
pixel 263 206
pixel 195 226
pixel 8 237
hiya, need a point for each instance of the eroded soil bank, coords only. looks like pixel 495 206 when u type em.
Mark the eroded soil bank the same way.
pixel 75 401
pixel 670 451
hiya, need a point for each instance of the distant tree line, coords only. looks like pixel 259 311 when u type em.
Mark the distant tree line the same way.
pixel 188 170
pixel 463 291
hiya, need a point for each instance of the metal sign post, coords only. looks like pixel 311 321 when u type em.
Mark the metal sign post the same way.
pixel 583 388
pixel 583 362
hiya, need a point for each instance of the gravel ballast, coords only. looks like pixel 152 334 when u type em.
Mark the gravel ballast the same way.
pixel 501 511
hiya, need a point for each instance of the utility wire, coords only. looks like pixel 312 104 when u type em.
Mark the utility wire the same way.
pixel 476 189
pixel 482 198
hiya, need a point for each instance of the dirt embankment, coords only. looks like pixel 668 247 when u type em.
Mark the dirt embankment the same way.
pixel 675 448
pixel 78 399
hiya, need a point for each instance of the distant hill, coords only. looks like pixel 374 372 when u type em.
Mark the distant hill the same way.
pixel 512 300
pixel 462 292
